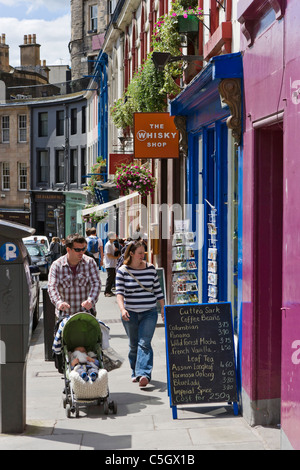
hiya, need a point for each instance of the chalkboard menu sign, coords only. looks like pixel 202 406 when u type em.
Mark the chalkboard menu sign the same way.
pixel 200 354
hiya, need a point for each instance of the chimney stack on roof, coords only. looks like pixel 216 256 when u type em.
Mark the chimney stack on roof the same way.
pixel 30 51
pixel 4 56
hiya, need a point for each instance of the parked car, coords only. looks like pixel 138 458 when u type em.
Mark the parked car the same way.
pixel 35 295
pixel 40 257
pixel 39 238
pixel 35 292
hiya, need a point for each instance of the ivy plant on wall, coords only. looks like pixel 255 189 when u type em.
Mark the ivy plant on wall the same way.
pixel 149 88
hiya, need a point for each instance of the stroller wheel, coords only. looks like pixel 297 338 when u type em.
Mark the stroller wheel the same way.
pixel 106 407
pixel 77 411
pixel 113 407
pixel 68 411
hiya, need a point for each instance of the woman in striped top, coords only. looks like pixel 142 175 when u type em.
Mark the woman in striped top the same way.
pixel 138 290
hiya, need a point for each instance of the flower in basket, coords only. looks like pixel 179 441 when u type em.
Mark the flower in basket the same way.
pixel 134 178
pixel 94 217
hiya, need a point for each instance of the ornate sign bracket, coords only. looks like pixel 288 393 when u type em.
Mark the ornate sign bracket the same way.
pixel 231 94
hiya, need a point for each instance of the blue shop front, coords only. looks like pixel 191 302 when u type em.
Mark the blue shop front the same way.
pixel 212 107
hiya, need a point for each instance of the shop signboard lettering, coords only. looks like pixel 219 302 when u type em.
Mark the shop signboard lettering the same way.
pixel 155 136
pixel 200 354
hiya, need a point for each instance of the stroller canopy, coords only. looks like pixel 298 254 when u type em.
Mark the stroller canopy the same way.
pixel 82 329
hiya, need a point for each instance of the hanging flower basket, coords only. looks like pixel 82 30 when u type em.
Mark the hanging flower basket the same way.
pixel 134 178
pixel 188 23
pixel 94 217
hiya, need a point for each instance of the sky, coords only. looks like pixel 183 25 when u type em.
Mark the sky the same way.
pixel 50 20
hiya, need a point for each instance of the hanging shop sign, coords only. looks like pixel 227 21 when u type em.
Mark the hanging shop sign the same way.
pixel 155 136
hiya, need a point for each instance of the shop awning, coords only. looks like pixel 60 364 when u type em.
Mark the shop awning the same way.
pixel 106 205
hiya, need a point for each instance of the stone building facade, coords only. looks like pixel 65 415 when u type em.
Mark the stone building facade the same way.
pixel 88 23
pixel 14 163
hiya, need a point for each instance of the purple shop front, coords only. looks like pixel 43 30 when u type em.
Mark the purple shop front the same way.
pixel 271 216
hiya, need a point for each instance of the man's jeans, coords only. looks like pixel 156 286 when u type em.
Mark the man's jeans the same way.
pixel 140 330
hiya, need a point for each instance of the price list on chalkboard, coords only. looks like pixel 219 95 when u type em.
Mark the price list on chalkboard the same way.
pixel 200 354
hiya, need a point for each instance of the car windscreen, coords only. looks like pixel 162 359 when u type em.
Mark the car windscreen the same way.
pixel 34 250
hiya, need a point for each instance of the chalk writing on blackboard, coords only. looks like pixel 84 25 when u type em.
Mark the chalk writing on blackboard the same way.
pixel 200 353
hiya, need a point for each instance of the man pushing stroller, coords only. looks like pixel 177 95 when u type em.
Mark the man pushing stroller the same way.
pixel 74 284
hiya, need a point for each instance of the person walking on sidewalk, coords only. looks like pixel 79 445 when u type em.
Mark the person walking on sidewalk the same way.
pixel 94 245
pixel 138 290
pixel 73 283
pixel 110 261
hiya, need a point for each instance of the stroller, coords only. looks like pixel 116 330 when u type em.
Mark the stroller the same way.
pixel 83 329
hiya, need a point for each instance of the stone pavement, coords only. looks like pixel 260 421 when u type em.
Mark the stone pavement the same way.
pixel 144 418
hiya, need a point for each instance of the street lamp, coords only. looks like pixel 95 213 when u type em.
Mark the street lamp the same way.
pixel 161 59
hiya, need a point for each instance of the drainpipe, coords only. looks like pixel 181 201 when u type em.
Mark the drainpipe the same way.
pixel 66 149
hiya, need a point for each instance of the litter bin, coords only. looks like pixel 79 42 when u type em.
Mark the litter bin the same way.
pixel 49 323
pixel 15 325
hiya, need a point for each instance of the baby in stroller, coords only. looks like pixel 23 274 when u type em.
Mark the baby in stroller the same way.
pixel 75 336
pixel 85 364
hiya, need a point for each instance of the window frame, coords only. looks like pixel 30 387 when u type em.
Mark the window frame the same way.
pixel 5 129
pixel 93 18
pixel 39 155
pixel 22 175
pixel 60 121
pixel 74 167
pixel 59 166
pixel 73 121
pixel 5 175
pixel 43 124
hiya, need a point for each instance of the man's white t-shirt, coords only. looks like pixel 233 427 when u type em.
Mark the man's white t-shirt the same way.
pixel 109 249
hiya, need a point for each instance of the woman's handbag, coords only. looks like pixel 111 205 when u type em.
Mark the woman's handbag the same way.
pixel 133 277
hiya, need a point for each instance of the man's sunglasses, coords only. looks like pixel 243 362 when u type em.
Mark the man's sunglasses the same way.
pixel 78 250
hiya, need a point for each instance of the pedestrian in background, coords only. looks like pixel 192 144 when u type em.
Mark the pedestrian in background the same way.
pixel 73 282
pixel 138 290
pixel 63 249
pixel 110 261
pixel 94 245
pixel 55 249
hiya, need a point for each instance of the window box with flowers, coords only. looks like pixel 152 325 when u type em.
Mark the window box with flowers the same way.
pixel 134 178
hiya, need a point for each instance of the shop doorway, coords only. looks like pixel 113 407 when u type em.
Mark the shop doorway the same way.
pixel 268 238
pixel 215 187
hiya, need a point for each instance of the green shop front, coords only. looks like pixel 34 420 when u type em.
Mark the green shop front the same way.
pixel 74 204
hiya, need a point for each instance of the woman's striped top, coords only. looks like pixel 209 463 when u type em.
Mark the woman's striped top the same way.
pixel 135 297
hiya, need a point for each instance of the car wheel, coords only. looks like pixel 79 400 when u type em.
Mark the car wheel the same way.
pixel 36 314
